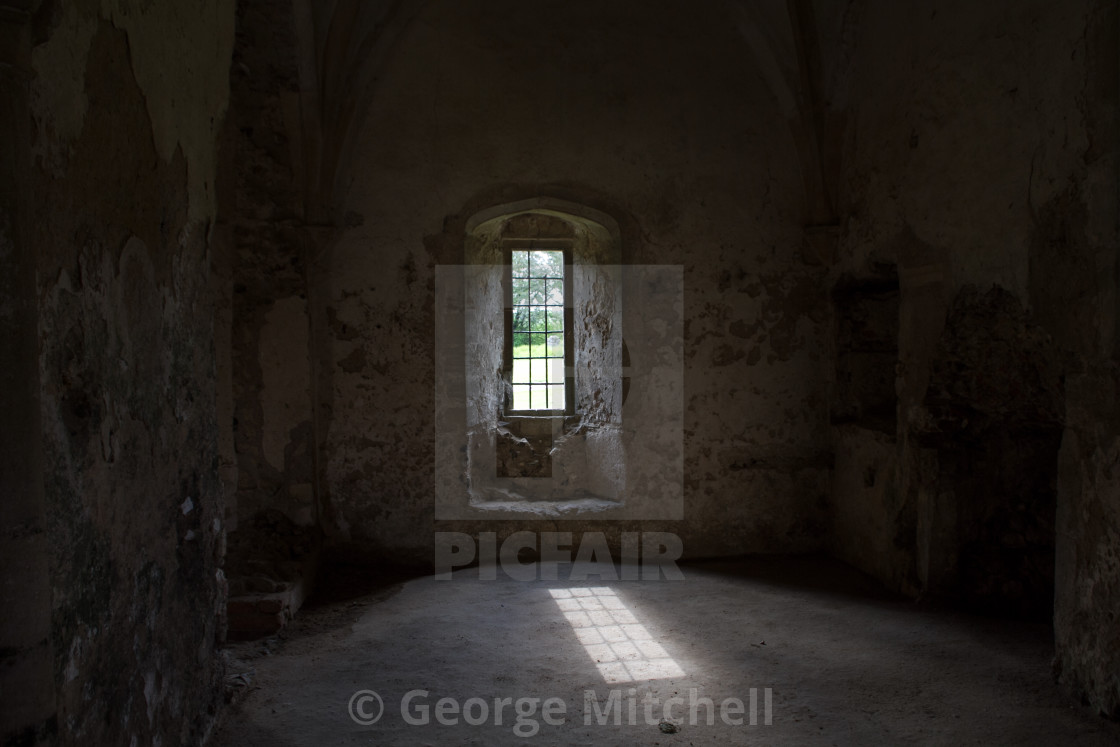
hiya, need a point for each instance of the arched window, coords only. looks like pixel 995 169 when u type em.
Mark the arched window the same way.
pixel 530 378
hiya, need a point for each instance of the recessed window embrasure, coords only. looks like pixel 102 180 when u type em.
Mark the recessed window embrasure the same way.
pixel 538 326
pixel 572 454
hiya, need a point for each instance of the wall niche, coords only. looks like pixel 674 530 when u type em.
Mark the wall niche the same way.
pixel 867 350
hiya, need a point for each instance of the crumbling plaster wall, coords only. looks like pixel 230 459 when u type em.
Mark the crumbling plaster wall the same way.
pixel 264 205
pixel 980 159
pixel 127 100
pixel 659 119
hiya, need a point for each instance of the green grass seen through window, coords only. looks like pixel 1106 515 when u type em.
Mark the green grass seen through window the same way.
pixel 537 286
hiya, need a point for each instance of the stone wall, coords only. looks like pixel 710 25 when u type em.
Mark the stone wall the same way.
pixel 264 205
pixel 1086 616
pixel 666 123
pixel 27 710
pixel 981 159
pixel 127 102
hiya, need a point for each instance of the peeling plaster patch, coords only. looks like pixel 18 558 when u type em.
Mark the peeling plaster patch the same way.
pixel 72 665
pixel 150 694
pixel 126 370
pixel 107 311
pixel 58 92
pixel 355 362
pixel 186 103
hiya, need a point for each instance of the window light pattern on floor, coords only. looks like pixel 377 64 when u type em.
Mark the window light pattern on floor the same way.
pixel 620 646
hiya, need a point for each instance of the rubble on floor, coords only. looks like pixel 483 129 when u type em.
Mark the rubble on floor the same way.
pixel 271 565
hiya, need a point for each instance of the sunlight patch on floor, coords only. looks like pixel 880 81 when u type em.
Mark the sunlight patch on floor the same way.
pixel 619 645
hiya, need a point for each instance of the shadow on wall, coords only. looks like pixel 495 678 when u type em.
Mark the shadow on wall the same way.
pixel 991 429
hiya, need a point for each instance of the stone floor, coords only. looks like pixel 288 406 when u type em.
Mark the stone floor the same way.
pixel 839 661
